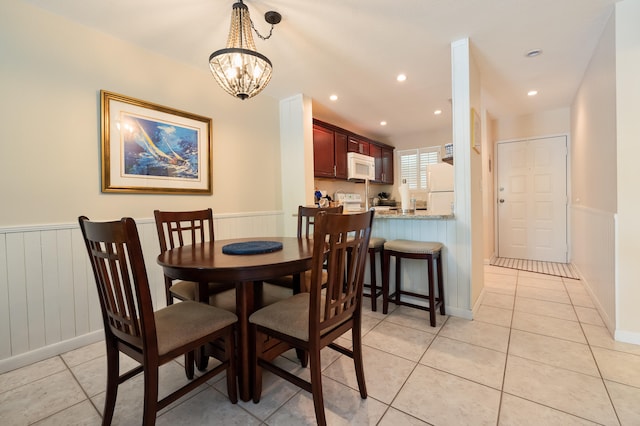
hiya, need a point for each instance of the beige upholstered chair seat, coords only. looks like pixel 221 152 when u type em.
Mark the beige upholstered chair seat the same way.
pixel 270 294
pixel 181 323
pixel 305 280
pixel 289 316
pixel 376 242
pixel 186 290
pixel 408 246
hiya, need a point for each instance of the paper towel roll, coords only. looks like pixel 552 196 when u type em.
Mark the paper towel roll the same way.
pixel 404 195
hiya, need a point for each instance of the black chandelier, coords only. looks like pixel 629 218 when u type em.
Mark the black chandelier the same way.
pixel 239 69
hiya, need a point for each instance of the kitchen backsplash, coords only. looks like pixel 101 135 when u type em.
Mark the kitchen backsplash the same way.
pixel 331 186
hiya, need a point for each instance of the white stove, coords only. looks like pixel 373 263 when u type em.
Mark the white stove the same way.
pixel 350 201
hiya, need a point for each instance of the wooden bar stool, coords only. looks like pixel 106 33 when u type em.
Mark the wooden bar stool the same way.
pixel 429 251
pixel 376 245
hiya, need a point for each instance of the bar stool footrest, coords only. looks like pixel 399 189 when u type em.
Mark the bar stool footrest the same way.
pixel 368 286
pixel 413 305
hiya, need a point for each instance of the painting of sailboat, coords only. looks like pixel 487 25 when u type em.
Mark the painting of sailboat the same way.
pixel 153 148
pixel 149 148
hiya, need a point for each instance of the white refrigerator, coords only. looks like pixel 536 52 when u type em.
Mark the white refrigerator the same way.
pixel 440 186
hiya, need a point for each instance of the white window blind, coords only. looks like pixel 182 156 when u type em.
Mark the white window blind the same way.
pixel 413 165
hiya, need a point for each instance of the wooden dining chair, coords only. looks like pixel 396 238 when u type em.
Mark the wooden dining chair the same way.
pixel 133 328
pixel 306 221
pixel 175 229
pixel 310 321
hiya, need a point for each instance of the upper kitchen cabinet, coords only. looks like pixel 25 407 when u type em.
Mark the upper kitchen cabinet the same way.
pixel 329 151
pixel 387 165
pixel 359 145
pixel 384 162
pixel 330 147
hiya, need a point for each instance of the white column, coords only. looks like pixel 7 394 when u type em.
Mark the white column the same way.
pixel 468 176
pixel 296 156
pixel 628 152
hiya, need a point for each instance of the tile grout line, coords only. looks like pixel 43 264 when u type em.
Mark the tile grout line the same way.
pixel 595 361
pixel 390 405
pixel 506 355
pixel 506 362
pixel 80 386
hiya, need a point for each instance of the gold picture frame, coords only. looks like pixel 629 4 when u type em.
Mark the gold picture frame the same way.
pixel 476 138
pixel 151 148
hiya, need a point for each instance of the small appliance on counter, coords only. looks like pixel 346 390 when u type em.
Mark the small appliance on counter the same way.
pixel 384 200
pixel 350 201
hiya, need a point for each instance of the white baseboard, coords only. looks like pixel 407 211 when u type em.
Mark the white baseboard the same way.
pixel 627 337
pixel 46 352
pixel 458 312
pixel 476 306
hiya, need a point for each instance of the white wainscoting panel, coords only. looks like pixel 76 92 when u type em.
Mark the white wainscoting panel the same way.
pixel 593 255
pixel 48 297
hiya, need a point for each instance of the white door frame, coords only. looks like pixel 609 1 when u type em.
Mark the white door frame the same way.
pixel 496 189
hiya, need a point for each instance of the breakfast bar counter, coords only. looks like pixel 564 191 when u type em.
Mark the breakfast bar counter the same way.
pixel 418 215
pixel 423 226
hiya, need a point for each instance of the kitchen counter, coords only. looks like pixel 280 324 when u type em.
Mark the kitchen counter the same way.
pixel 418 215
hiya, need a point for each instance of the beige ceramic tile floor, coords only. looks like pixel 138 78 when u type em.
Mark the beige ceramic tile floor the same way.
pixel 537 353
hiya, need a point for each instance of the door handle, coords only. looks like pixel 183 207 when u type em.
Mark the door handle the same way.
pixel 501 200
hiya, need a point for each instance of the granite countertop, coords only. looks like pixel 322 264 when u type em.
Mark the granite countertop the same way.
pixel 418 215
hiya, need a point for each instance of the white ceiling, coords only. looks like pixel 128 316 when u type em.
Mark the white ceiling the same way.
pixel 355 49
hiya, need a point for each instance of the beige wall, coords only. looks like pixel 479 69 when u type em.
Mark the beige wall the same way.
pixel 593 176
pixel 488 188
pixel 551 122
pixel 475 184
pixel 435 137
pixel 50 80
pixel 605 174
pixel 593 147
pixel 628 173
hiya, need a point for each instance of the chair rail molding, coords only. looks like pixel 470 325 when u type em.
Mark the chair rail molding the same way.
pixel 48 299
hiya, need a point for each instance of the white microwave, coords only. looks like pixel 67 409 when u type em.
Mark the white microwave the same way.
pixel 360 166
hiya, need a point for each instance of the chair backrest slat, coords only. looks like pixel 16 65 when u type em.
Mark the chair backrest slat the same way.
pixel 306 218
pixel 120 274
pixel 175 229
pixel 343 240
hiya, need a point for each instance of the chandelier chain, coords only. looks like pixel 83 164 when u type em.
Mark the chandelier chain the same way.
pixel 260 35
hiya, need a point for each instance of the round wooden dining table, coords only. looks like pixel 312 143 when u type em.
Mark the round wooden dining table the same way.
pixel 206 262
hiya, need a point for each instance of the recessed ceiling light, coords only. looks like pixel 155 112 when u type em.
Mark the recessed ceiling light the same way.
pixel 383 123
pixel 532 92
pixel 401 77
pixel 437 112
pixel 533 53
pixel 333 97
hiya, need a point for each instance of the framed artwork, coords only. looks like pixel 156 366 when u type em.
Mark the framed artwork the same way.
pixel 150 148
pixel 476 139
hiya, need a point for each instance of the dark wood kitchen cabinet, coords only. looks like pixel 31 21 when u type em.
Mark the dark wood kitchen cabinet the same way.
pixel 387 165
pixel 331 145
pixel 329 152
pixel 384 163
pixel 358 145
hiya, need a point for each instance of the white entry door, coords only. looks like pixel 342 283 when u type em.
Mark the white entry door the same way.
pixel 532 199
